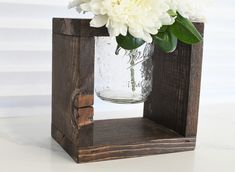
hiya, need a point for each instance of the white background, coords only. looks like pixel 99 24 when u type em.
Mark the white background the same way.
pixel 25 56
pixel 25 90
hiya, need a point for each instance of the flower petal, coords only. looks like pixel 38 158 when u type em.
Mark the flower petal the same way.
pixel 147 37
pixel 99 21
pixel 123 30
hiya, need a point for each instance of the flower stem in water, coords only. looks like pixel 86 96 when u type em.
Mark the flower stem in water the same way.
pixel 132 63
pixel 117 50
pixel 132 70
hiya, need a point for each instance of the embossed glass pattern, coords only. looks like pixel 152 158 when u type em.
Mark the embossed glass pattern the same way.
pixel 122 76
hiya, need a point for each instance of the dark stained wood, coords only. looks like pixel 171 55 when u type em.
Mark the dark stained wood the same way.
pixel 129 130
pixel 64 142
pixel 72 81
pixel 145 148
pixel 76 27
pixel 124 138
pixel 194 85
pixel 170 114
pixel 176 87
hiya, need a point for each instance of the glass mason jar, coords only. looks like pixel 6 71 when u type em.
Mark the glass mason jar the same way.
pixel 122 76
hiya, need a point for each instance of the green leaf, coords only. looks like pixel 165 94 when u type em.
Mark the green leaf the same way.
pixel 185 31
pixel 163 28
pixel 129 42
pixel 166 41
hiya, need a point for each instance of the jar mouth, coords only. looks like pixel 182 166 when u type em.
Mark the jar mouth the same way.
pixel 120 97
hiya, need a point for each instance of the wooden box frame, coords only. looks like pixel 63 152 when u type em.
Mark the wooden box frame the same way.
pixel 169 122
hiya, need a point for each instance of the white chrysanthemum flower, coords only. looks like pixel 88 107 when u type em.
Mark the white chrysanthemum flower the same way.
pixel 191 9
pixel 140 17
pixel 76 4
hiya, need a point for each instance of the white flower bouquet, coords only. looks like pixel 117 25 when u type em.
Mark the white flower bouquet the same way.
pixel 134 22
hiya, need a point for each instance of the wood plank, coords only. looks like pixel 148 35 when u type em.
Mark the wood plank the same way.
pixel 136 149
pixel 124 138
pixel 194 85
pixel 64 142
pixel 176 86
pixel 72 81
pixel 128 130
pixel 76 27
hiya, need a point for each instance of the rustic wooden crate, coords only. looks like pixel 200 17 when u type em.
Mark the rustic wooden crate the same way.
pixel 169 122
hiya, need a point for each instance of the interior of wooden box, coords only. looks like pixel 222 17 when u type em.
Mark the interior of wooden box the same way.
pixel 123 131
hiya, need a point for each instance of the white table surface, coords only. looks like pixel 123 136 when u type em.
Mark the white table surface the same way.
pixel 26 146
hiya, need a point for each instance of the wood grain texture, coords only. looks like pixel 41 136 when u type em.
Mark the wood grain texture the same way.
pixel 194 85
pixel 76 27
pixel 72 81
pixel 147 147
pixel 176 88
pixel 128 130
pixel 124 138
pixel 66 143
